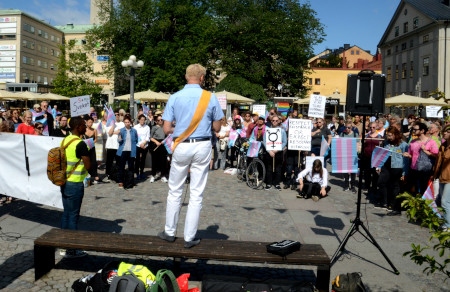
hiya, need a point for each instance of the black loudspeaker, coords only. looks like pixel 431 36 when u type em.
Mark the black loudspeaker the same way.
pixel 365 93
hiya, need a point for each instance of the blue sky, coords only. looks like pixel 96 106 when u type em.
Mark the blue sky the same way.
pixel 354 22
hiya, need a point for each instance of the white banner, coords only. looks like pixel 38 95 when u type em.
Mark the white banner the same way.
pixel 80 105
pixel 222 100
pixel 274 139
pixel 317 106
pixel 260 109
pixel 299 135
pixel 24 171
pixel 433 111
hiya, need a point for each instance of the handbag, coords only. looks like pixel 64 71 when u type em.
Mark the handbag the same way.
pixel 424 162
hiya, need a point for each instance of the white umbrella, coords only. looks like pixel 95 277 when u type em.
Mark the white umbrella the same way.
pixel 147 95
pixel 405 100
pixel 235 98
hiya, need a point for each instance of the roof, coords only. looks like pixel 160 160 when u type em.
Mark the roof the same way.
pixel 5 12
pixel 75 28
pixel 434 9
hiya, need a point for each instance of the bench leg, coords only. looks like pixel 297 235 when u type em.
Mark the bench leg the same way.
pixel 176 265
pixel 323 278
pixel 44 260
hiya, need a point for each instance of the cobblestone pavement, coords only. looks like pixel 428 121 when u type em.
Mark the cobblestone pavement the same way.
pixel 231 210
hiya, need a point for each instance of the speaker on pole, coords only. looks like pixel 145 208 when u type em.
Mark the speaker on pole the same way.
pixel 365 93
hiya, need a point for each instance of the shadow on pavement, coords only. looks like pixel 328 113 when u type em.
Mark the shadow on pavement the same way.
pixel 10 269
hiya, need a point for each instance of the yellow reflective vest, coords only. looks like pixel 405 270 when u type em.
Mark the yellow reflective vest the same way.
pixel 80 172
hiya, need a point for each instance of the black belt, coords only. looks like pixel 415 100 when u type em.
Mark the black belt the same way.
pixel 194 140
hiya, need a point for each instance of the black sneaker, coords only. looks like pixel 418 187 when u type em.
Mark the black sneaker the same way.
pixel 353 190
pixel 345 189
pixel 268 187
pixel 286 187
pixel 192 243
pixel 163 235
pixel 278 187
pixel 74 253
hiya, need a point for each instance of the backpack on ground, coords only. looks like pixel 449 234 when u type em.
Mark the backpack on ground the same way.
pixel 57 164
pixel 98 282
pixel 127 283
pixel 350 282
pixel 165 282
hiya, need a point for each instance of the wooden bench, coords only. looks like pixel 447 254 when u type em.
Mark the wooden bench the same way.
pixel 208 249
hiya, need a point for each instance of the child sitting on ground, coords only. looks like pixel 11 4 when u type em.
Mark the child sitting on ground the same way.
pixel 313 182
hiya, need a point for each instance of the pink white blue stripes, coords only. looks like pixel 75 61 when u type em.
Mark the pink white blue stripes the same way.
pixel 344 158
pixel 167 142
pixel 379 156
pixel 253 149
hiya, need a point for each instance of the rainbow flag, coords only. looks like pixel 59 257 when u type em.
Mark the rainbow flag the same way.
pixel 253 149
pixel 283 108
pixel 345 157
pixel 379 156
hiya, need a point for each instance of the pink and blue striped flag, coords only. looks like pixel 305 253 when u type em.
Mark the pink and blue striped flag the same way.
pixel 145 109
pixel 324 148
pixel 100 128
pixel 90 143
pixel 429 195
pixel 253 149
pixel 167 142
pixel 111 119
pixel 285 124
pixel 234 134
pixel 345 156
pixel 379 156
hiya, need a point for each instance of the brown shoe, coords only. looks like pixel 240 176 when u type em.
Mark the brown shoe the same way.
pixel 121 185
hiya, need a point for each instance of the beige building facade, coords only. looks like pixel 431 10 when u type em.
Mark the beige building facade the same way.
pixel 29 49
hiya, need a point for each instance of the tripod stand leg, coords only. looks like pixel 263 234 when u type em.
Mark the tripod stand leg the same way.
pixel 374 242
pixel 350 232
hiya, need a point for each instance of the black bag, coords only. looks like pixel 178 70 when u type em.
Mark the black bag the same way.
pixel 221 283
pixel 283 248
pixel 350 282
pixel 127 283
pixel 98 282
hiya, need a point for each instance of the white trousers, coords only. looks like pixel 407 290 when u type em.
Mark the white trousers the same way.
pixel 196 158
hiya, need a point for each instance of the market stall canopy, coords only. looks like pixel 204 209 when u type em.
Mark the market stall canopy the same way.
pixel 342 98
pixel 53 96
pixel 28 95
pixel 235 98
pixel 405 100
pixel 303 100
pixel 147 95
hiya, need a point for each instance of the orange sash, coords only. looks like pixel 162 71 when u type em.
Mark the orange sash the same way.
pixel 198 115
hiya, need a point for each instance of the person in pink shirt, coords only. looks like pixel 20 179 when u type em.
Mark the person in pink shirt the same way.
pixel 418 180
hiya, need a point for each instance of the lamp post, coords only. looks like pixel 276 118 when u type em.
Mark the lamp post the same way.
pixel 133 65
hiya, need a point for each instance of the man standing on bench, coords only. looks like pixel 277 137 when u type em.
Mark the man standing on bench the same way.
pixel 195 111
pixel 77 155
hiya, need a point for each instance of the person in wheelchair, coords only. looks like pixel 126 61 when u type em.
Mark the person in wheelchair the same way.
pixel 313 182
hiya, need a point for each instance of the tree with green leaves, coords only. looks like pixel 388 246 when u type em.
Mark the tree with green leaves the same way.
pixel 74 74
pixel 265 43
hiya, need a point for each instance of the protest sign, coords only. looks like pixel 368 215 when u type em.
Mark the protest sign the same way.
pixel 222 100
pixel 317 106
pixel 299 135
pixel 80 105
pixel 260 109
pixel 274 139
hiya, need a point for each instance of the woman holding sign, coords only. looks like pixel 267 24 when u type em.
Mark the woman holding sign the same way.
pixel 274 160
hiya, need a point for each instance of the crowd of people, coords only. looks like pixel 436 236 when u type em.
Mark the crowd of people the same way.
pixel 410 141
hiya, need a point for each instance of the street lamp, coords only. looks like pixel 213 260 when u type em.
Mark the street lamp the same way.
pixel 133 65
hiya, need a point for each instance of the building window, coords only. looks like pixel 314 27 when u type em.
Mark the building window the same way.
pixel 388 52
pixel 310 81
pixel 7 36
pixel 415 22
pixel 403 46
pixel 396 72
pixel 317 81
pixel 39 32
pixel 426 66
pixel 411 43
pixel 28 27
pixel 352 52
pixel 396 49
pixel 388 74
pixel 28 44
pixel 52 38
pixel 425 39
pixel 397 31
pixel 403 70
pixel 357 52
pixel 405 27
pixel 411 70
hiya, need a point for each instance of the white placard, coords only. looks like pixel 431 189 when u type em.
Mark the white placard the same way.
pixel 433 111
pixel 299 134
pixel 80 105
pixel 310 159
pixel 317 106
pixel 222 100
pixel 260 109
pixel 274 139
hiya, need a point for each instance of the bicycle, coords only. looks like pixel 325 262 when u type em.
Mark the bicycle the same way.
pixel 254 172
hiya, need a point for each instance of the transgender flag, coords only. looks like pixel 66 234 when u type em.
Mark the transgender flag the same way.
pixel 145 109
pixel 111 117
pixel 167 142
pixel 344 157
pixel 324 148
pixel 253 149
pixel 100 128
pixel 90 143
pixel 429 195
pixel 379 156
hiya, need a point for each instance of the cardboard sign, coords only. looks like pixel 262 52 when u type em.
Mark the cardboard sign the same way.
pixel 274 139
pixel 80 105
pixel 260 109
pixel 299 134
pixel 317 106
pixel 222 100
pixel 434 111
